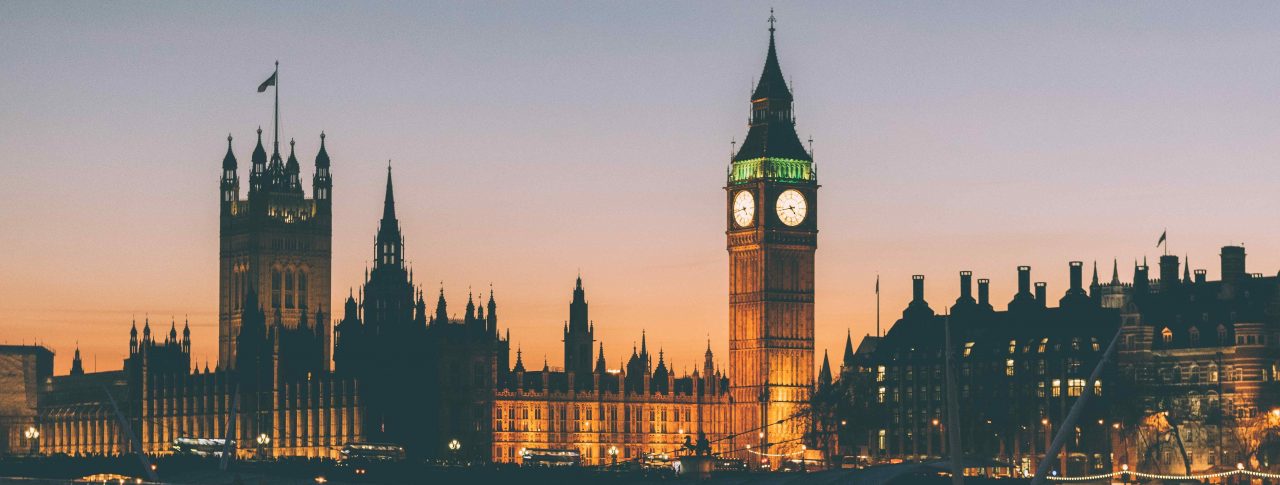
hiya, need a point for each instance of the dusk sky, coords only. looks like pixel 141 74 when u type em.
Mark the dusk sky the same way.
pixel 531 141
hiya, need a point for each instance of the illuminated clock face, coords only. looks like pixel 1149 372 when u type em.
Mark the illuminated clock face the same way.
pixel 744 208
pixel 792 207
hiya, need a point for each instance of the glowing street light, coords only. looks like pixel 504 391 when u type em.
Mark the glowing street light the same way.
pixel 613 454
pixel 31 433
pixel 454 445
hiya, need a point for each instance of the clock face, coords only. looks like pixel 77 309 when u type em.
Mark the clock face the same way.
pixel 744 208
pixel 792 207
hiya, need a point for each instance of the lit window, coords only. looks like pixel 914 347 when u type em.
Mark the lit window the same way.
pixel 1057 387
pixel 1167 335
pixel 1075 387
pixel 880 373
pixel 1008 367
pixel 968 348
pixel 1013 345
pixel 880 395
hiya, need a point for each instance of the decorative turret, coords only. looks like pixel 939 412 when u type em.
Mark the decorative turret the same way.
pixel 230 181
pixel 186 336
pixel 442 311
pixel 600 365
pixel 292 171
pixel 173 333
pixel 322 181
pixel 77 367
pixel 133 338
pixel 258 172
pixel 519 361
pixel 469 315
pixel 848 353
pixel 824 376
pixel 492 319
pixel 146 331
pixel 578 336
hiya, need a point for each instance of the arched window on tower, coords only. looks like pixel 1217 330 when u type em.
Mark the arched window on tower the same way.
pixel 1167 335
pixel 275 288
pixel 303 295
pixel 288 289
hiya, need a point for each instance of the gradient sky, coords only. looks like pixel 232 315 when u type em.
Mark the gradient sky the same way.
pixel 533 140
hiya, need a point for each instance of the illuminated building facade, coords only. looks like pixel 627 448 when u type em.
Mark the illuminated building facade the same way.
pixel 772 235
pixel 1196 364
pixel 592 409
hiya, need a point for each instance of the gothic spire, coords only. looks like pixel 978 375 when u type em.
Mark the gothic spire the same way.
pixel 1095 274
pixel 824 376
pixel 259 154
pixel 848 349
pixel 390 243
pixel 1186 269
pixel 1115 271
pixel 322 158
pixel 389 202
pixel 229 160
pixel 773 132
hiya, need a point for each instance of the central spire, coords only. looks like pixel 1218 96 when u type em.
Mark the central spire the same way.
pixel 772 135
pixel 390 244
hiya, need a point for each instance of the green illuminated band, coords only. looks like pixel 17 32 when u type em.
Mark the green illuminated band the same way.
pixel 785 169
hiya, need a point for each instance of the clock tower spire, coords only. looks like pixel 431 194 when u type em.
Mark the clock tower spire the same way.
pixel 771 200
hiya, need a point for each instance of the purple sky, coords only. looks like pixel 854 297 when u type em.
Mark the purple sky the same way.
pixel 533 140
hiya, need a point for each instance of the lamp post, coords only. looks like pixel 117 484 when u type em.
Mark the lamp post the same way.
pixel 613 455
pixel 32 434
pixel 454 446
pixel 1048 435
pixel 263 440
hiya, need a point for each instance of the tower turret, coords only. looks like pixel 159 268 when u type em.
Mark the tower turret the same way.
pixel 292 171
pixel 442 312
pixel 258 172
pixel 492 318
pixel 133 338
pixel 390 242
pixel 322 181
pixel 230 180
pixel 77 367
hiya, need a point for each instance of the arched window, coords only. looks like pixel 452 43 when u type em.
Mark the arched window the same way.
pixel 1167 335
pixel 288 289
pixel 303 294
pixel 1194 335
pixel 1213 372
pixel 1193 373
pixel 275 288
pixel 1222 334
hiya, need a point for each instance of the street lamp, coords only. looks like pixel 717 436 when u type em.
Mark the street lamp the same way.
pixel 32 434
pixel 454 446
pixel 613 455
pixel 263 440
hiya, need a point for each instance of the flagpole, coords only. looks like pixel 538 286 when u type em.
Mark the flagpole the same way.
pixel 878 306
pixel 276 135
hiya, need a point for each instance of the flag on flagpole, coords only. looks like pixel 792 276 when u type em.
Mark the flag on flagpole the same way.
pixel 1162 238
pixel 877 284
pixel 271 81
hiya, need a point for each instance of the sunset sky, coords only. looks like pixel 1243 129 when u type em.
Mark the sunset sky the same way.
pixel 535 140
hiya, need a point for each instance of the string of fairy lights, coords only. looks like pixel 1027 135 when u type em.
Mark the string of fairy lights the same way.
pixel 1124 473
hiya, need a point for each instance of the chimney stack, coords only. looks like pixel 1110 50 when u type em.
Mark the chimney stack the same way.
pixel 1141 283
pixel 1200 276
pixel 1232 263
pixel 1024 280
pixel 984 292
pixel 966 290
pixel 1040 293
pixel 1077 275
pixel 917 287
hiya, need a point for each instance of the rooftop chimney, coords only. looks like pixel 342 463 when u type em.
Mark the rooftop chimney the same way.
pixel 984 292
pixel 1024 280
pixel 1200 276
pixel 917 287
pixel 1141 284
pixel 966 289
pixel 1077 275
pixel 1040 292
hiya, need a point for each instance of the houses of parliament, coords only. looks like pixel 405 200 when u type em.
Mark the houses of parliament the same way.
pixel 299 379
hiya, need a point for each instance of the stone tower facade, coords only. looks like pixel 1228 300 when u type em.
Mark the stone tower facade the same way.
pixel 276 242
pixel 771 201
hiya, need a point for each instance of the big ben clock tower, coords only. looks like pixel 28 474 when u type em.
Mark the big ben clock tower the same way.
pixel 771 214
